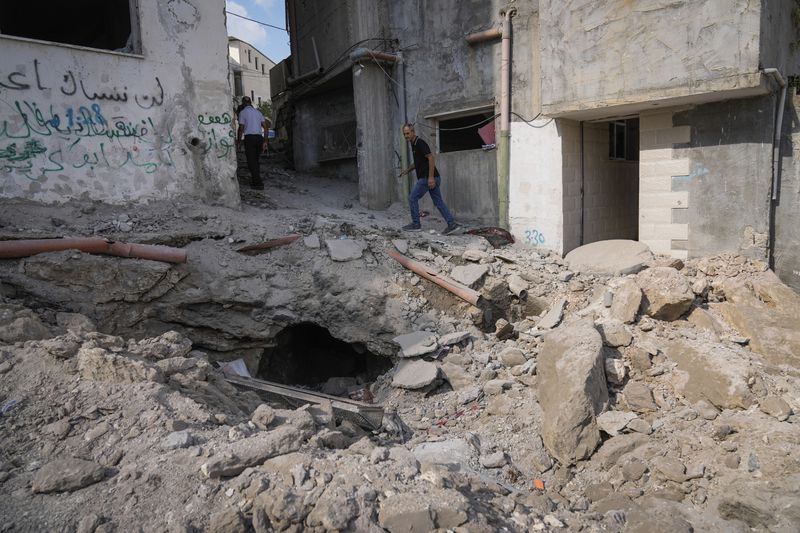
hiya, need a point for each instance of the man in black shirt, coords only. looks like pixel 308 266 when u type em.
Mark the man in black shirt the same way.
pixel 428 180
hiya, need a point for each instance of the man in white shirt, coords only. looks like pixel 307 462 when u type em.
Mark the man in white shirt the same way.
pixel 253 127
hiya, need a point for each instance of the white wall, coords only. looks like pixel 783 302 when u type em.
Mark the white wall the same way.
pixel 535 185
pixel 85 123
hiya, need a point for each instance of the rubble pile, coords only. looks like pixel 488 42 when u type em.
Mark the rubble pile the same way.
pixel 657 396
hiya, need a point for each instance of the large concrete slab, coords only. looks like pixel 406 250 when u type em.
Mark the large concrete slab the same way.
pixel 614 257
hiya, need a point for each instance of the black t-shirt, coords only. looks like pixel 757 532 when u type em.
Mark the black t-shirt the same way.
pixel 421 149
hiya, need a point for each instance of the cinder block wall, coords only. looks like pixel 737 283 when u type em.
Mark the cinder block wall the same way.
pixel 609 189
pixel 663 195
pixel 571 171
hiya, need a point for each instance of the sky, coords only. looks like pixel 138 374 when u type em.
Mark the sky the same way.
pixel 269 41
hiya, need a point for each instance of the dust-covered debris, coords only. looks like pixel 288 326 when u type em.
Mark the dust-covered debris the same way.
pixel 572 398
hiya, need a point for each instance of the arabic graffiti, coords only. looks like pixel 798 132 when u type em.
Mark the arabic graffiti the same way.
pixel 77 138
pixel 69 84
pixel 215 139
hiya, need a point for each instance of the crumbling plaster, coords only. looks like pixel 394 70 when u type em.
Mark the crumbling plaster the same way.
pixel 84 123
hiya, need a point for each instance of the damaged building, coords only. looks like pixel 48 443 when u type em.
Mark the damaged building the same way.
pixel 116 101
pixel 180 352
pixel 608 123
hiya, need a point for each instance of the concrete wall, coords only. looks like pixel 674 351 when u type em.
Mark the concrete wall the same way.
pixel 324 22
pixel 536 188
pixel 84 123
pixel 313 115
pixel 729 147
pixel 610 190
pixel 444 74
pixel 598 55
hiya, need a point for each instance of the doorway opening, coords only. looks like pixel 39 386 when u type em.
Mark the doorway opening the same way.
pixel 610 180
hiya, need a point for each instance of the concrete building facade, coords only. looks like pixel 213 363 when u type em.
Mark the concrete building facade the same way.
pixel 249 71
pixel 131 102
pixel 669 122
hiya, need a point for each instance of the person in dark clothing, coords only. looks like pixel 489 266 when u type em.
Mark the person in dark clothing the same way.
pixel 428 181
pixel 253 127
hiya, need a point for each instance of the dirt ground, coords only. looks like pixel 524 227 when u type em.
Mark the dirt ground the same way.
pixel 664 399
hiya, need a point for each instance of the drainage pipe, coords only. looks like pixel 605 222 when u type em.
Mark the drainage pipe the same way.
pixel 404 191
pixel 504 150
pixel 776 143
pixel 365 53
pixel 776 163
pixel 26 248
pixel 305 77
pixel 462 291
pixel 481 36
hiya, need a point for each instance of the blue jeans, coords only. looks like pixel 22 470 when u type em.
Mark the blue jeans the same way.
pixel 419 190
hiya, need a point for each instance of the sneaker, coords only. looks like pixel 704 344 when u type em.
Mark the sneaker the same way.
pixel 412 227
pixel 451 228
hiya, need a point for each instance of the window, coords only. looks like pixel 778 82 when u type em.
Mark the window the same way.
pixel 259 101
pixel 623 140
pixel 252 96
pixel 466 132
pixel 248 57
pixel 262 69
pixel 256 63
pixel 238 89
pixel 104 24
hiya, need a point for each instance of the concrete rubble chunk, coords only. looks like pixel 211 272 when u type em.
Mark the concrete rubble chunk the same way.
pixel 414 375
pixel 553 317
pixel 66 475
pixel 75 322
pixel 765 311
pixel 469 275
pixel 572 390
pixel 454 338
pixel 512 356
pixel 615 447
pixel 626 302
pixel 401 245
pixel 494 460
pixel 614 257
pixel 177 439
pixel 775 406
pixel 416 343
pixel 667 294
pixel 615 334
pixel 344 250
pixel 312 241
pixel 21 325
pixel 615 371
pixel 711 372
pixel 458 378
pixel 253 451
pixel 612 422
pixel 476 256
pixel 453 452
pixel 97 364
pixel 263 416
pixel 639 397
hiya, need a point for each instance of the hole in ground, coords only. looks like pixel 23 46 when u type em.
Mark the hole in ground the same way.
pixel 307 354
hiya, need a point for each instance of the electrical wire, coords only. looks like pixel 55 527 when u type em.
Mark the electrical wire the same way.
pixel 530 122
pixel 256 21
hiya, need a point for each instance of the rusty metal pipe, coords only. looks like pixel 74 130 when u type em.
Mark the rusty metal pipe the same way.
pixel 481 36
pixel 462 291
pixel 360 54
pixel 28 247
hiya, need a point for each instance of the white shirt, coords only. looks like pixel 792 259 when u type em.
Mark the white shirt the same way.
pixel 252 120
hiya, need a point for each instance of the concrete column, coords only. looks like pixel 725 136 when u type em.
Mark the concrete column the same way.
pixel 374 111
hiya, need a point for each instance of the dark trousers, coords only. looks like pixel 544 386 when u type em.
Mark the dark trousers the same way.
pixel 253 145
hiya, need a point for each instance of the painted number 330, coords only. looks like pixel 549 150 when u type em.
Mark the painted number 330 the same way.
pixel 533 237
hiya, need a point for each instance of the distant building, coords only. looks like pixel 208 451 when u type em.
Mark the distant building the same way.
pixel 249 71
